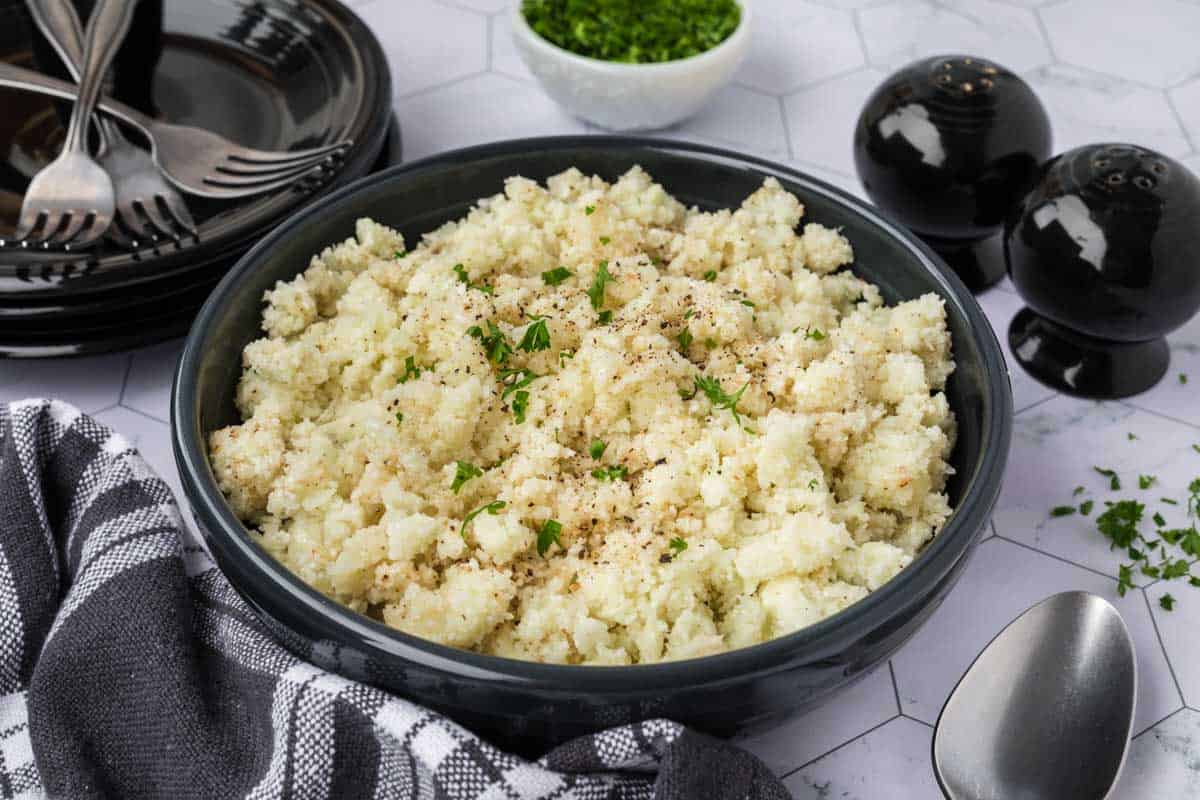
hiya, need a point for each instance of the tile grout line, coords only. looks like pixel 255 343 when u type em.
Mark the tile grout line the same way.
pixel 918 721
pixel 141 413
pixel 125 379
pixel 1036 403
pixel 1158 414
pixel 833 750
pixel 488 31
pixel 1045 34
pixel 856 21
pixel 787 134
pixel 1187 134
pixel 1161 646
pixel 818 82
pixel 447 84
pixel 895 688
pixel 1092 570
pixel 1149 728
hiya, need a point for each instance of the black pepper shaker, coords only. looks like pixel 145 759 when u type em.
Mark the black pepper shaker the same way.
pixel 1105 251
pixel 948 145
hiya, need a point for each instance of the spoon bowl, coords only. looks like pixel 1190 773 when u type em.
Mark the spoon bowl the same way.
pixel 1045 711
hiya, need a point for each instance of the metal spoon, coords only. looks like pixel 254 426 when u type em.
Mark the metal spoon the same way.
pixel 1046 710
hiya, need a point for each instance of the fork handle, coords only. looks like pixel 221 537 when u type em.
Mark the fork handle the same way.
pixel 15 77
pixel 106 30
pixel 59 23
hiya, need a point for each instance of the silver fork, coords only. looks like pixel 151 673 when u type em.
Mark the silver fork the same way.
pixel 146 205
pixel 71 200
pixel 197 161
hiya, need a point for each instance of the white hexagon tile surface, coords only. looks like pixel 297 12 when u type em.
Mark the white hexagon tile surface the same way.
pixel 1107 70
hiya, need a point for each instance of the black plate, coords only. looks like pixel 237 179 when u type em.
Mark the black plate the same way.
pixel 527 705
pixel 274 74
pixel 129 316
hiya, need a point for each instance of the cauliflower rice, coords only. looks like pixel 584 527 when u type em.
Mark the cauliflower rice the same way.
pixel 731 439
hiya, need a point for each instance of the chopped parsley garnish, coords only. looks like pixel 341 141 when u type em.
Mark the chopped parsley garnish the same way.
pixel 595 292
pixel 520 404
pixel 589 210
pixel 1062 511
pixel 1168 501
pixel 605 316
pixel 548 535
pixel 1085 507
pixel 515 379
pixel 815 334
pixel 1131 437
pixel 463 472
pixel 632 32
pixel 554 277
pixel 747 303
pixel 1078 491
pixel 1114 482
pixel 596 449
pixel 411 370
pixel 494 342
pixel 1167 602
pixel 401 254
pixel 1119 523
pixel 617 473
pixel 493 508
pixel 717 396
pixel 685 339
pixel 1183 377
pixel 677 545
pixel 812 484
pixel 711 343
pixel 399 417
pixel 1124 579
pixel 1196 447
pixel 605 240
pixel 691 312
pixel 710 276
pixel 562 354
pixel 461 272
pixel 537 336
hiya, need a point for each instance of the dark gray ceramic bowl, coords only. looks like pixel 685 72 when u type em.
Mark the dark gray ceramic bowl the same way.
pixel 526 705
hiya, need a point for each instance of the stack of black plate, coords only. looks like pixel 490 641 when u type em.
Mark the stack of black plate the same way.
pixel 272 74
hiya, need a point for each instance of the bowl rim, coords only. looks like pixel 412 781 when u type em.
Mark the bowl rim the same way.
pixel 826 638
pixel 522 30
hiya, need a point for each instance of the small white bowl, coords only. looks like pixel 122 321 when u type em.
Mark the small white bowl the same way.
pixel 630 96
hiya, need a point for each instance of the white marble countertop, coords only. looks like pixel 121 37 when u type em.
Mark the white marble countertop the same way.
pixel 1106 70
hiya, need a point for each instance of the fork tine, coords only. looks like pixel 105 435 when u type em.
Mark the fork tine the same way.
pixel 28 223
pixel 249 181
pixel 232 193
pixel 177 210
pixel 73 224
pixel 52 220
pixel 238 168
pixel 152 212
pixel 92 232
pixel 249 155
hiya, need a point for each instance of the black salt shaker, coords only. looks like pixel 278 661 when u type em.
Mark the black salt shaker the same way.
pixel 948 145
pixel 1105 251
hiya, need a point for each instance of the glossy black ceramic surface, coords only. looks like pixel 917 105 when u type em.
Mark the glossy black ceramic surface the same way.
pixel 948 145
pixel 125 316
pixel 526 705
pixel 274 74
pixel 1106 253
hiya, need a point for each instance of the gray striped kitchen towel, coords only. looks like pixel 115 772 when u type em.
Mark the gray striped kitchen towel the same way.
pixel 129 668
